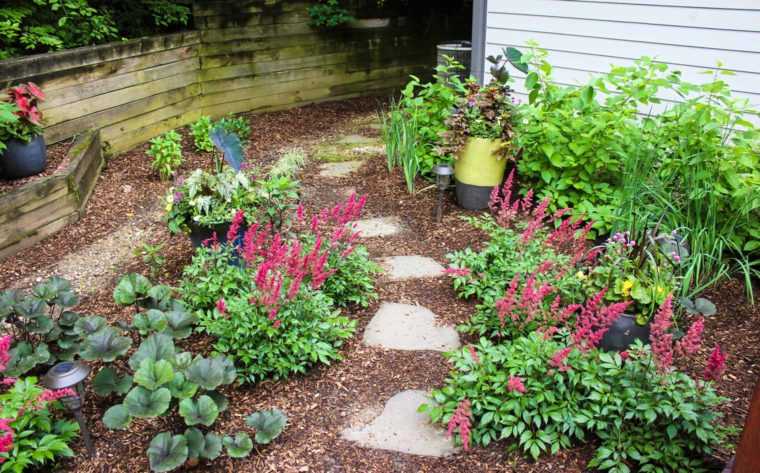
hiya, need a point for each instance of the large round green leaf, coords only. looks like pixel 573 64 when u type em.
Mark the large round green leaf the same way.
pixel 220 399
pixel 269 424
pixel 104 382
pixel 167 452
pixel 24 357
pixel 211 373
pixel 157 346
pixel 182 388
pixel 212 447
pixel 179 323
pixel 131 288
pixel 153 374
pixel 239 446
pixel 141 402
pixel 85 326
pixel 195 442
pixel 106 345
pixel 202 411
pixel 31 307
pixel 152 321
pixel 116 417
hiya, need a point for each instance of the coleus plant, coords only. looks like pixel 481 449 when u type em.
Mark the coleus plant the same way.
pixel 25 98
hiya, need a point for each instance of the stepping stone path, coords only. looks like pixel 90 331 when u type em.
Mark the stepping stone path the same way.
pixel 408 267
pixel 355 139
pixel 340 169
pixel 400 428
pixel 378 227
pixel 408 327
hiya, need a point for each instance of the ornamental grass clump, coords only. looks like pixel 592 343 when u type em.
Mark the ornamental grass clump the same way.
pixel 273 311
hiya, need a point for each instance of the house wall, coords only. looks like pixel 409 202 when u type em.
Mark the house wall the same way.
pixel 585 37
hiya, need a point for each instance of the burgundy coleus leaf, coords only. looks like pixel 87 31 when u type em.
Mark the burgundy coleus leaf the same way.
pixel 35 116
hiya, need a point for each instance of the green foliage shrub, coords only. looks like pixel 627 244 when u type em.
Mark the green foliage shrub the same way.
pixel 39 439
pixel 659 422
pixel 201 130
pixel 328 13
pixel 166 151
pixel 38 26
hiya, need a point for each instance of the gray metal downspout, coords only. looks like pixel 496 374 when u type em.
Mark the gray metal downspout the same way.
pixel 478 62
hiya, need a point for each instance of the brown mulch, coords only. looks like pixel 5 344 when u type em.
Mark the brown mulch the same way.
pixel 329 398
pixel 55 156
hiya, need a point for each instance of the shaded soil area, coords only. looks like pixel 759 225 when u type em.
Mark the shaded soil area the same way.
pixel 55 156
pixel 329 398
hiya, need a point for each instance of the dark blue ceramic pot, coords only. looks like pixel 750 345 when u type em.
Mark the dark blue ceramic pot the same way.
pixel 623 333
pixel 22 159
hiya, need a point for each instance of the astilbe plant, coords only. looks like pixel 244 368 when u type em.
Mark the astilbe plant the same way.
pixel 285 299
pixel 523 237
pixel 28 437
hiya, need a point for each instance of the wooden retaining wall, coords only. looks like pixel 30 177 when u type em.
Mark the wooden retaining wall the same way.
pixel 44 206
pixel 244 56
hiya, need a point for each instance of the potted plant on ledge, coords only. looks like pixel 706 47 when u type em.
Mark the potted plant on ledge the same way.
pixel 479 136
pixel 23 152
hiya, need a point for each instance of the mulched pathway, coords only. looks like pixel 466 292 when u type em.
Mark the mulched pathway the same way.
pixel 329 398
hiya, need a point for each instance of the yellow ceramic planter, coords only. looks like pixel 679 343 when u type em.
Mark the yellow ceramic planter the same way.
pixel 477 170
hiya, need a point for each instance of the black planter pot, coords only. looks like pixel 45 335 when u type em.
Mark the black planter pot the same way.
pixel 472 197
pixel 623 333
pixel 22 159
pixel 198 234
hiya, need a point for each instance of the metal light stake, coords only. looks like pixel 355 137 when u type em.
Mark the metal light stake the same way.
pixel 443 173
pixel 71 375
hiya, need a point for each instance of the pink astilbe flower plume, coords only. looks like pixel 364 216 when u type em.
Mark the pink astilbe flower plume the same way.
pixel 716 365
pixel 515 383
pixel 692 341
pixel 473 353
pixel 460 422
pixel 661 340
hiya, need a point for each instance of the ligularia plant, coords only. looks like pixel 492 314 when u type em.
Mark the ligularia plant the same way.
pixel 163 379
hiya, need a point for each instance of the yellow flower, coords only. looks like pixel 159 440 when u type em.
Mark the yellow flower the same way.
pixel 627 286
pixel 169 207
pixel 581 275
pixel 660 290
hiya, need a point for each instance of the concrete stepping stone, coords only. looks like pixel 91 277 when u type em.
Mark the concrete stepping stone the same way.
pixel 408 327
pixel 355 139
pixel 400 428
pixel 409 267
pixel 378 227
pixel 339 169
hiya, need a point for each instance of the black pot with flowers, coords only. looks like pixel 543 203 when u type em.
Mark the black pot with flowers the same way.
pixel 636 270
pixel 22 147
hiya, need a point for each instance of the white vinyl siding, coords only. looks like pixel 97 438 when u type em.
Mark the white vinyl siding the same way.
pixel 584 37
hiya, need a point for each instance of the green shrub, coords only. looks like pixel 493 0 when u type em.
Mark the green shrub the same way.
pixel 166 151
pixel 428 105
pixel 657 421
pixel 32 27
pixel 236 125
pixel 328 13
pixel 200 131
pixel 311 331
pixel 37 439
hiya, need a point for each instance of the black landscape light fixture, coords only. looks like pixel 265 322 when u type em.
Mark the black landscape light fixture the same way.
pixel 71 375
pixel 443 173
